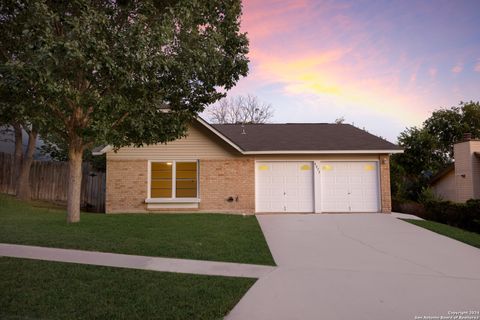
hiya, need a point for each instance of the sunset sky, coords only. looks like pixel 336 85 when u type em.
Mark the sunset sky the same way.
pixel 383 65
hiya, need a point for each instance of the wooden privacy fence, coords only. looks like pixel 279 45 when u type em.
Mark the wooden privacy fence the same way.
pixel 49 181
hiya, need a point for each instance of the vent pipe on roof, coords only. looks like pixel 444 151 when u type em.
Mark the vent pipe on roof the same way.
pixel 243 129
pixel 467 136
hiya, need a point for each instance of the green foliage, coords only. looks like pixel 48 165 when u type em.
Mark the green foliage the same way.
pixel 427 196
pixel 449 125
pixel 429 148
pixel 462 215
pixel 19 99
pixel 59 152
pixel 102 71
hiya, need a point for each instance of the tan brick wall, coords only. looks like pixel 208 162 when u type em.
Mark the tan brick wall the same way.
pixel 218 180
pixel 385 192
pixel 126 186
pixel 476 169
pixel 467 170
pixel 221 179
pixel 463 171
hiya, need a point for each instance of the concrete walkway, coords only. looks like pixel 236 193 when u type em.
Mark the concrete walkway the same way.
pixel 136 262
pixel 360 266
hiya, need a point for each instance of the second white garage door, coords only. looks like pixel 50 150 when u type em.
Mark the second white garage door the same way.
pixel 284 187
pixel 349 187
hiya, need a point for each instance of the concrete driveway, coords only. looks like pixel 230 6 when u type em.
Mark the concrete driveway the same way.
pixel 361 266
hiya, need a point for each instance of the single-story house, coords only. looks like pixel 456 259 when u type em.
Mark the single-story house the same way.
pixel 254 168
pixel 460 181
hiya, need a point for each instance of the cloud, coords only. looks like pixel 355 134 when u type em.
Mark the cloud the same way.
pixel 457 68
pixel 476 68
pixel 264 19
pixel 312 50
pixel 330 75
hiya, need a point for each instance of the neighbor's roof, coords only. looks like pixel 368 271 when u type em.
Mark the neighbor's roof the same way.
pixel 442 173
pixel 294 138
pixel 303 136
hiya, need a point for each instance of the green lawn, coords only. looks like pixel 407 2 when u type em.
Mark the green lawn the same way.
pixel 217 237
pixel 467 237
pixel 32 289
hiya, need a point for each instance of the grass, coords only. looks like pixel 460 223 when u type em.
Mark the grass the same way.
pixel 32 289
pixel 464 236
pixel 215 237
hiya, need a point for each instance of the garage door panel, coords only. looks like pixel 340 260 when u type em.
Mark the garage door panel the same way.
pixel 349 187
pixel 289 185
pixel 299 206
pixel 334 206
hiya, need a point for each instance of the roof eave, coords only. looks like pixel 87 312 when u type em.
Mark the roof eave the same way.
pixel 442 173
pixel 220 135
pixel 103 150
pixel 383 151
pixel 109 148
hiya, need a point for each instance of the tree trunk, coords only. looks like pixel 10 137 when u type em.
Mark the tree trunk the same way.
pixel 18 155
pixel 23 182
pixel 75 153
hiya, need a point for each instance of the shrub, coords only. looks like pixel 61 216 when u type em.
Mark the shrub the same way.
pixel 408 207
pixel 461 215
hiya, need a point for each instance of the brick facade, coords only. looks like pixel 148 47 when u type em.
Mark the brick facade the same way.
pixel 221 179
pixel 385 191
pixel 126 186
pixel 467 170
pixel 127 183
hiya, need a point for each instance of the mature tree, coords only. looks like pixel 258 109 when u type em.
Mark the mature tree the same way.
pixel 20 111
pixel 105 70
pixel 240 109
pixel 449 125
pixel 18 108
pixel 340 120
pixel 430 147
pixel 411 170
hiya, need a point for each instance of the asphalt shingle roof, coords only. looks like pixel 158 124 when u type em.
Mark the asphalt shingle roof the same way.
pixel 302 136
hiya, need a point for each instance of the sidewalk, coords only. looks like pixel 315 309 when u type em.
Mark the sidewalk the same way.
pixel 211 268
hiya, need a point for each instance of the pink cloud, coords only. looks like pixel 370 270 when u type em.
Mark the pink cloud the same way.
pixel 457 68
pixel 263 19
pixel 320 49
pixel 477 66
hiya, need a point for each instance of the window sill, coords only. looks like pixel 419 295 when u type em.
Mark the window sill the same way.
pixel 172 204
pixel 170 200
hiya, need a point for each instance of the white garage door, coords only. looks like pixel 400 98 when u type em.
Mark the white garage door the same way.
pixel 284 187
pixel 349 187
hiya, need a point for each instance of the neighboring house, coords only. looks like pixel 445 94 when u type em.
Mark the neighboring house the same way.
pixel 460 181
pixel 254 168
